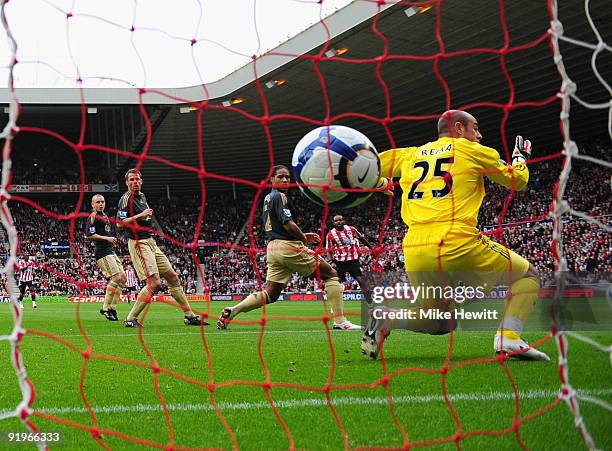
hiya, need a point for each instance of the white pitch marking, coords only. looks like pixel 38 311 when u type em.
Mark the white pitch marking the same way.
pixel 340 401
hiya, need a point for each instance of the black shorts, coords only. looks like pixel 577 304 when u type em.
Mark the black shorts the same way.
pixel 23 286
pixel 351 266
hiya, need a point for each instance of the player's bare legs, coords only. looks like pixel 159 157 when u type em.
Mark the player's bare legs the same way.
pixel 177 292
pixel 253 301
pixel 273 290
pixel 119 280
pixel 22 294
pixel 334 293
pixel 114 288
pixel 152 285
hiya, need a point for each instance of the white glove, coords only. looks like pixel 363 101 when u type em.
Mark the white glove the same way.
pixel 522 150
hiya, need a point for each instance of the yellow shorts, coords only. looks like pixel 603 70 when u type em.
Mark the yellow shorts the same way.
pixel 110 265
pixel 148 259
pixel 286 257
pixel 437 256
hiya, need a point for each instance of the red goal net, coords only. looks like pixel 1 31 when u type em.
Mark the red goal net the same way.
pixel 388 69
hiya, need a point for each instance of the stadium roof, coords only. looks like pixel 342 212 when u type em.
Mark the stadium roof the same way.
pixel 337 23
pixel 235 143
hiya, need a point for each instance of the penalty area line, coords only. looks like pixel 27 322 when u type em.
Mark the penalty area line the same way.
pixel 317 402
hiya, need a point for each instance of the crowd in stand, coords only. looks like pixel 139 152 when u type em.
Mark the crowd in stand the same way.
pixel 225 238
pixel 54 164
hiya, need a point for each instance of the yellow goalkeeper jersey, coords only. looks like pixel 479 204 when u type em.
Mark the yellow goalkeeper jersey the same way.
pixel 443 181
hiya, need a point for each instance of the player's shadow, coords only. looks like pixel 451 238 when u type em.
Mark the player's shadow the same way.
pixel 404 361
pixel 409 359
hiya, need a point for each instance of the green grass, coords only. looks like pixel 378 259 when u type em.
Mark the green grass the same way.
pixel 298 360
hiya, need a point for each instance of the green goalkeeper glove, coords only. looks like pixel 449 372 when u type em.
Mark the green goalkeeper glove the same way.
pixel 522 150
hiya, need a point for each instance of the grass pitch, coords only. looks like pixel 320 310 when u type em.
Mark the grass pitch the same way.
pixel 215 384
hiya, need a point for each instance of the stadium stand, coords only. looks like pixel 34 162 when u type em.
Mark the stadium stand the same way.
pixel 527 230
pixel 505 61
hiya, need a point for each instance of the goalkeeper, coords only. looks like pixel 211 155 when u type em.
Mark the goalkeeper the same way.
pixel 443 188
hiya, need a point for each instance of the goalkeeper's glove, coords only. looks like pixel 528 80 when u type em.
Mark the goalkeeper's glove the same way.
pixel 385 185
pixel 522 150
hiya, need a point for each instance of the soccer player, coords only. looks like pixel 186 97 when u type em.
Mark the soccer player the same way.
pixel 443 189
pixel 26 280
pixel 100 232
pixel 148 259
pixel 287 254
pixel 343 243
pixel 131 281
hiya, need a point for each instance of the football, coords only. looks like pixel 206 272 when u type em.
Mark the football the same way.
pixel 338 157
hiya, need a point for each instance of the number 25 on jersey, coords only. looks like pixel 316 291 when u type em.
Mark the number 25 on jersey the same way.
pixel 439 170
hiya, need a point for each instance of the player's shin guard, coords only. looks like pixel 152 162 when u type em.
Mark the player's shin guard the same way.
pixel 251 302
pixel 333 290
pixel 521 300
pixel 179 296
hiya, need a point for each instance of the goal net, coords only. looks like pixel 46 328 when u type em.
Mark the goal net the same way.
pixel 170 90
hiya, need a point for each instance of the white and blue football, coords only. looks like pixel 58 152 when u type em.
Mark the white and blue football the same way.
pixel 336 157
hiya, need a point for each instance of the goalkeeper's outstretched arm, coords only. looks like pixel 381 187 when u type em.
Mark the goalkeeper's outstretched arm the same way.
pixel 391 162
pixel 514 176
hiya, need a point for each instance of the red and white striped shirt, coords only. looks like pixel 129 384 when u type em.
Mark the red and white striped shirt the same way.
pixel 26 272
pixel 343 244
pixel 130 276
